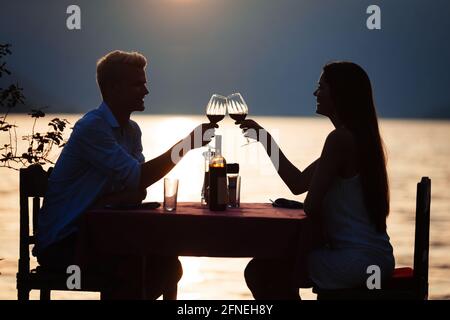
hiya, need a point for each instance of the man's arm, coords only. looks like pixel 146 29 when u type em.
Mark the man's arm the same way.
pixel 153 170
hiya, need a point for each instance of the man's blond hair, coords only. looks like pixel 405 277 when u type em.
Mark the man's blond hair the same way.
pixel 110 67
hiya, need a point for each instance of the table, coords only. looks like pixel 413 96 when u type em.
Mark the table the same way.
pixel 253 230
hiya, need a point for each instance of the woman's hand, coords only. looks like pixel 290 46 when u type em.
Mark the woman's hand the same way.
pixel 251 129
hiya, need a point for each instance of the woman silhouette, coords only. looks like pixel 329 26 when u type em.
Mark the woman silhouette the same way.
pixel 348 194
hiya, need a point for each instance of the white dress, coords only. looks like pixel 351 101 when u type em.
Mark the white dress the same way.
pixel 354 242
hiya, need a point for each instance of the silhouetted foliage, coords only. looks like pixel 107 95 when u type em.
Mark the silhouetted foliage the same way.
pixel 40 144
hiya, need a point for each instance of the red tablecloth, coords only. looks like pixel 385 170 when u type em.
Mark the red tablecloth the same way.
pixel 254 230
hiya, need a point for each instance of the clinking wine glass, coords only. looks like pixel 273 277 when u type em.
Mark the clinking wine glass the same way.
pixel 238 110
pixel 215 111
pixel 216 108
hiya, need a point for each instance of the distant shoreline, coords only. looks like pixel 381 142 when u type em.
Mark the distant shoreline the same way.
pixel 444 119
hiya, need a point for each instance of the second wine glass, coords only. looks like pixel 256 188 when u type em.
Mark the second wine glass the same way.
pixel 238 109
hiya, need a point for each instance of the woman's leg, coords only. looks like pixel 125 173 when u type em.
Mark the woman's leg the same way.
pixel 271 279
pixel 163 274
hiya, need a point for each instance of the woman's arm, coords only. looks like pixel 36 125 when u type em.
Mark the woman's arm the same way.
pixel 332 158
pixel 297 181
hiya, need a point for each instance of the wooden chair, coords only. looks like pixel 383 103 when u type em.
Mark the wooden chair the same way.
pixel 405 283
pixel 33 184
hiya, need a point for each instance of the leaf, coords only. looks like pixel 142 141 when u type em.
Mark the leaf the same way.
pixel 10 96
pixel 36 113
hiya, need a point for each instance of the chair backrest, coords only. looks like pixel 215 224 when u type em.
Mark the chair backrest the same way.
pixel 32 184
pixel 422 236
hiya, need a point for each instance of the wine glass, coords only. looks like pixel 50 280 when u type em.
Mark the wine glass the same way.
pixel 238 109
pixel 216 108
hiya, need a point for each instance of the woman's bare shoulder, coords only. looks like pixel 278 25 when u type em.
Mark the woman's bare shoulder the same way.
pixel 345 150
pixel 341 138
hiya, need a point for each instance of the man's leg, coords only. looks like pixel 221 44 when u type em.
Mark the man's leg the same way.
pixel 59 255
pixel 128 281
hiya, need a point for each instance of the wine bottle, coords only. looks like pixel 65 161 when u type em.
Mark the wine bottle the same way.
pixel 218 191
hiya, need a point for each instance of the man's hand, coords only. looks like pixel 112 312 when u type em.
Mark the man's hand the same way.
pixel 135 197
pixel 202 134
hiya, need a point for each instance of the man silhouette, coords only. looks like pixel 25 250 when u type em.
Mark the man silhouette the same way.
pixel 102 164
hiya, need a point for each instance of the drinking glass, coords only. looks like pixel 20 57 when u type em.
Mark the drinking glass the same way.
pixel 234 190
pixel 170 194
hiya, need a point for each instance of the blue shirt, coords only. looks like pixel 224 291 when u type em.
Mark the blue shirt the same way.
pixel 100 157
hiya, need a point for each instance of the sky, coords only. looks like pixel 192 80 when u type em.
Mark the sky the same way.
pixel 271 51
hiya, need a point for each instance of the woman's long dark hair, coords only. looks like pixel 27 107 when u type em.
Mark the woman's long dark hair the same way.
pixel 351 93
